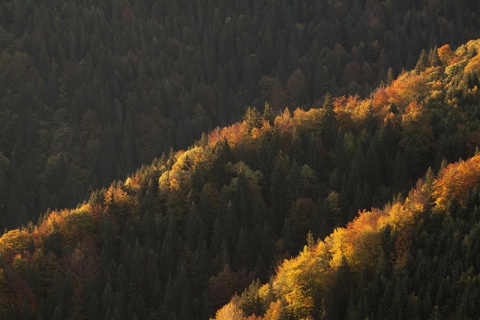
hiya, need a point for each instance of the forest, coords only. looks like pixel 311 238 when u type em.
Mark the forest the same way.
pixel 92 90
pixel 243 160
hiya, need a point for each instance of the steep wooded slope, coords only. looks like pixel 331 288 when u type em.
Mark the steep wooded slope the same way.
pixel 413 259
pixel 179 237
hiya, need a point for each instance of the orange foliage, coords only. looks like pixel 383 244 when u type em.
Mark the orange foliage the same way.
pixel 406 88
pixel 353 110
pixel 381 98
pixel 456 180
pixel 345 109
pixel 274 311
pixel 47 226
pixel 234 134
pixel 413 112
pixel 284 125
pixel 173 180
pixel 134 182
pixel 445 54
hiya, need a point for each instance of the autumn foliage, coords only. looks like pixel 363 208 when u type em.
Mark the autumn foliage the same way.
pixel 456 180
pixel 202 222
pixel 301 283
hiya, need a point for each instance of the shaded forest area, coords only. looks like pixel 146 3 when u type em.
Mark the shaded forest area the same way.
pixel 92 90
pixel 178 238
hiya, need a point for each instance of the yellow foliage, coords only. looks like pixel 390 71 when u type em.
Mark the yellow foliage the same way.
pixel 337 246
pixel 266 293
pixel 180 174
pixel 399 216
pixel 187 159
pixel 432 73
pixel 363 109
pixel 13 242
pixel 230 311
pixel 274 311
pixel 298 279
pixel 118 195
pixel 307 120
pixel 73 224
pixel 473 65
pixel 173 180
pixel 361 236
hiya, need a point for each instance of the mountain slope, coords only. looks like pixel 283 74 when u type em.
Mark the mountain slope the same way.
pixel 179 237
pixel 414 259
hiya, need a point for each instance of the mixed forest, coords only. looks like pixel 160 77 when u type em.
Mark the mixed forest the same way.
pixel 316 160
pixel 92 90
pixel 178 238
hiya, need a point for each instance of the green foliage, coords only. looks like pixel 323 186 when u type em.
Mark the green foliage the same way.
pixel 113 86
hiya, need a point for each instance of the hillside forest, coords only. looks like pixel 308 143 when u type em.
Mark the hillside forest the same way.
pixel 91 90
pixel 178 238
pixel 243 160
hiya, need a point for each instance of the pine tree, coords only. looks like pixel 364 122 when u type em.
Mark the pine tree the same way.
pixel 422 62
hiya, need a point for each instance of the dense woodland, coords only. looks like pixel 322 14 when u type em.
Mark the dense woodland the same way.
pixel 413 259
pixel 317 179
pixel 180 237
pixel 92 90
